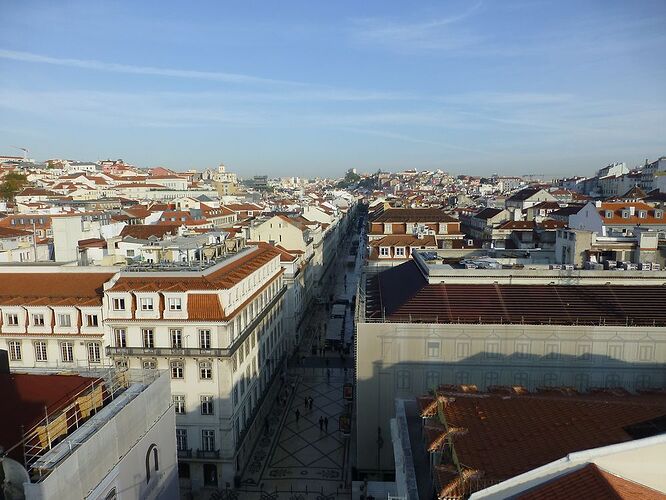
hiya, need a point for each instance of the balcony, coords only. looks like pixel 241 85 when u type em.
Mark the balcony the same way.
pixel 185 453
pixel 208 453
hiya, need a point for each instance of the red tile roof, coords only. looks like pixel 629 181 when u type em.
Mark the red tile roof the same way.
pixel 223 278
pixel 592 483
pixel 403 294
pixel 502 436
pixel 204 307
pixel 82 289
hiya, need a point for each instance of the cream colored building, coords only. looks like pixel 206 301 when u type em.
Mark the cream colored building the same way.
pixel 422 324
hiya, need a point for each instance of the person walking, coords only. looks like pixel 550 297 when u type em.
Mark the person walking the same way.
pixel 305 402
pixel 326 424
pixel 328 374
pixel 321 423
pixel 310 400
pixel 298 414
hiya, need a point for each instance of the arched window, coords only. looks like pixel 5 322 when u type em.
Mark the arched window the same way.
pixel 152 450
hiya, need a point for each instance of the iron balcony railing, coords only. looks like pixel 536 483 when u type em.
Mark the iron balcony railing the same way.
pixel 208 453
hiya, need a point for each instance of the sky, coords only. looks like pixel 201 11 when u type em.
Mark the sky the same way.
pixel 313 88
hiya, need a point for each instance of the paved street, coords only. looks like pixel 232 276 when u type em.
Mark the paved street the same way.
pixel 297 458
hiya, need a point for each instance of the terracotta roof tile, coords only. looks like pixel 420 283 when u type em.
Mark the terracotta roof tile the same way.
pixel 52 288
pixel 204 307
pixel 592 483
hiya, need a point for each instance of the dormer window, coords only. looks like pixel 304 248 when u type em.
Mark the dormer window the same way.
pixel 642 214
pixel 146 304
pixel 658 214
pixel 609 214
pixel 38 319
pixel 625 214
pixel 118 304
pixel 12 319
pixel 92 320
pixel 175 304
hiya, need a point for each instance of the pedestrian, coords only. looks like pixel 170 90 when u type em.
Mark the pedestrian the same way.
pixel 305 402
pixel 298 415
pixel 321 423
pixel 310 402
pixel 328 374
pixel 326 424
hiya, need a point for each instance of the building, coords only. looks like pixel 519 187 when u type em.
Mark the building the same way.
pixel 220 334
pixel 528 197
pixel 63 427
pixel 419 222
pixel 422 324
pixel 512 443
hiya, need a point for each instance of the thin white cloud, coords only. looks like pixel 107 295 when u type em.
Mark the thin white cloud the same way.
pixel 437 34
pixel 90 64
pixel 406 138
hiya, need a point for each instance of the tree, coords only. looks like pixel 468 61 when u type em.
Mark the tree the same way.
pixel 12 184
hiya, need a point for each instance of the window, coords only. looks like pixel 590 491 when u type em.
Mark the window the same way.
pixel 522 350
pixel 175 304
pixel 206 370
pixel 176 338
pixel 550 379
pixel 492 349
pixel 146 304
pixel 40 351
pixel 179 404
pixel 491 378
pixel 615 351
pixel 431 379
pixel 645 352
pixel 582 381
pixel 121 337
pixel 183 470
pixel 552 351
pixel 585 352
pixel 384 251
pixel 64 320
pixel 208 440
pixel 207 405
pixel 122 364
pixel 67 352
pixel 521 378
pixel 12 319
pixel 433 349
pixel 204 339
pixel 403 379
pixel 148 338
pixel 613 380
pixel 177 369
pixel 625 214
pixel 399 251
pixel 93 352
pixel 181 439
pixel 462 349
pixel 130 252
pixel 658 214
pixel 14 350
pixel 118 304
pixel 149 364
pixel 38 319
pixel 91 320
pixel 152 461
pixel 642 214
pixel 210 474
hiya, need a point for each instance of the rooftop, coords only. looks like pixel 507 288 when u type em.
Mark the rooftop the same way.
pixel 500 435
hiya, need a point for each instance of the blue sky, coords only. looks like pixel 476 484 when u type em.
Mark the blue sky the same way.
pixel 313 88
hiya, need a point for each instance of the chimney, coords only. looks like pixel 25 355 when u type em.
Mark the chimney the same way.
pixel 632 210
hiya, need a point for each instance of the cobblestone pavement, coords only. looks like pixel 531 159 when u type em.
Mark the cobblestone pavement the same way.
pixel 297 459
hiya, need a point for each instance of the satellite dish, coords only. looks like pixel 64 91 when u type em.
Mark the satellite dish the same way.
pixel 12 477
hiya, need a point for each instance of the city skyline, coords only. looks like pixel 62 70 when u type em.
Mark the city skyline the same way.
pixel 312 90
